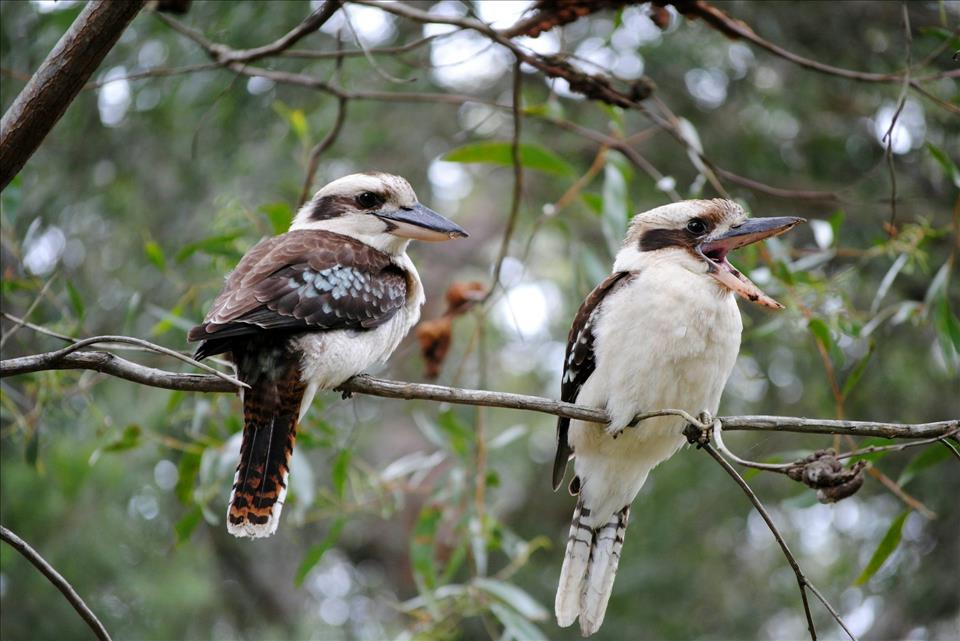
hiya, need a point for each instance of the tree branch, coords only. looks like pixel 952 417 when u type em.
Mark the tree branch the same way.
pixel 59 79
pixel 57 580
pixel 700 437
pixel 122 368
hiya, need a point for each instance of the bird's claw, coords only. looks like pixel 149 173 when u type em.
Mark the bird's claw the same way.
pixel 345 394
pixel 699 434
pixel 614 431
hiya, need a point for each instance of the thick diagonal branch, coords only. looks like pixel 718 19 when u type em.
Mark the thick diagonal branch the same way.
pixel 59 79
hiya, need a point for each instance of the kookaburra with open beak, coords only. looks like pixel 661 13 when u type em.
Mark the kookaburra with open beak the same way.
pixel 308 309
pixel 662 331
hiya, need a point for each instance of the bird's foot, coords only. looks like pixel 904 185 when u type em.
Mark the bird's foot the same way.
pixel 705 419
pixel 615 430
pixel 699 433
pixel 345 394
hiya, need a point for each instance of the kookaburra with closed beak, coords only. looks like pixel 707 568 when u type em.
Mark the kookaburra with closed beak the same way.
pixel 662 331
pixel 308 309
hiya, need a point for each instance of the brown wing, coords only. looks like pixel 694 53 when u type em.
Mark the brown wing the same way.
pixel 303 281
pixel 579 362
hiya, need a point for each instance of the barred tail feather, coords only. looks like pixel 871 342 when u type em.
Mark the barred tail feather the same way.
pixel 604 559
pixel 589 568
pixel 271 409
pixel 575 564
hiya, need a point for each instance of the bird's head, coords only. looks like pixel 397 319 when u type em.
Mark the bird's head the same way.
pixel 699 234
pixel 379 209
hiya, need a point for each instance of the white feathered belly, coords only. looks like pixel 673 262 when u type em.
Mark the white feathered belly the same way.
pixel 656 347
pixel 330 358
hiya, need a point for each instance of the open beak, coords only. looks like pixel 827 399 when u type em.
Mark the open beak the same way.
pixel 714 250
pixel 421 223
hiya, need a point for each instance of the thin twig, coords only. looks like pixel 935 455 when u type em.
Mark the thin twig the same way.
pixel 694 435
pixel 357 53
pixel 888 137
pixel 517 181
pixel 383 73
pixel 23 322
pixel 57 580
pixel 228 55
pixel 737 29
pixel 321 147
pixel 59 355
pixel 33 305
pixel 873 449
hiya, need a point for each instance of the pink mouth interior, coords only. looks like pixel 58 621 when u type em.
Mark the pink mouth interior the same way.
pixel 728 276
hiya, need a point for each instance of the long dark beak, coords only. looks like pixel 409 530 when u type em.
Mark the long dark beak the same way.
pixel 750 231
pixel 421 223
pixel 714 251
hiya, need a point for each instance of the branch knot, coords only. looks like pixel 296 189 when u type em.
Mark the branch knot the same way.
pixel 823 472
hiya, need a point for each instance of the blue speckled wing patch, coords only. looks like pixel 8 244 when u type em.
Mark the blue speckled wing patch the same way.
pixel 309 281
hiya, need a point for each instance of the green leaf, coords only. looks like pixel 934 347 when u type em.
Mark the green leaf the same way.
pixel 11 197
pixel 823 335
pixel 296 119
pixel 887 545
pixel 222 245
pixel 165 324
pixel 593 201
pixel 129 439
pixel 454 563
pixel 930 456
pixel 188 523
pixel 298 122
pixel 877 441
pixel 76 301
pixel 316 552
pixel 280 215
pixel 515 625
pixel 836 221
pixel 615 211
pixel 458 434
pixel 187 470
pixel 32 451
pixel 495 152
pixel 948 327
pixel 155 254
pixel 515 597
pixel 854 376
pixel 341 467
pixel 478 544
pixel 949 167
pixel 422 546
pixel 942 34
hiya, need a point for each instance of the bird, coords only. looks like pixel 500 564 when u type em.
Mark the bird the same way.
pixel 661 331
pixel 308 309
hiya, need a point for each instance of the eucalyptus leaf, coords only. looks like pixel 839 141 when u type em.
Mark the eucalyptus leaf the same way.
pixel 316 552
pixel 494 152
pixel 888 544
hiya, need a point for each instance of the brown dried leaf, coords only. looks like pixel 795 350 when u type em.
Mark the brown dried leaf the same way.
pixel 463 295
pixel 434 337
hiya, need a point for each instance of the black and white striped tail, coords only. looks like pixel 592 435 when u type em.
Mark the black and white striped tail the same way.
pixel 589 568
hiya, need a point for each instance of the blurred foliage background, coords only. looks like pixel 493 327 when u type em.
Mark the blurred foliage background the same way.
pixel 149 190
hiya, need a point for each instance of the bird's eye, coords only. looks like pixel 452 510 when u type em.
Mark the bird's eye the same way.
pixel 696 226
pixel 369 200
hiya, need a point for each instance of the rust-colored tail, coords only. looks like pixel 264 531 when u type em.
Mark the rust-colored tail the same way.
pixel 270 412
